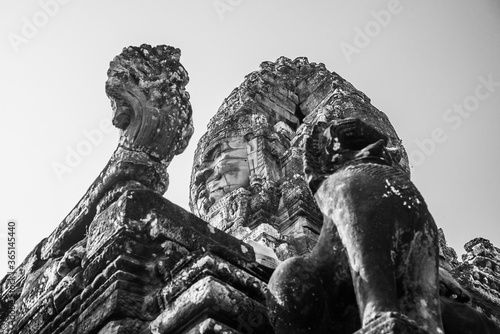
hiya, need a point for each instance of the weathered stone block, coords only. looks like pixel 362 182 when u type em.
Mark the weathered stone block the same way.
pixel 174 223
pixel 66 290
pixel 38 316
pixel 213 298
pixel 120 280
pixel 121 300
pixel 210 265
pixel 112 259
pixel 392 323
pixel 68 329
pixel 210 326
pixel 124 326
pixel 65 319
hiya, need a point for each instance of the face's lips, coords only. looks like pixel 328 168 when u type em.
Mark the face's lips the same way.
pixel 220 188
pixel 216 189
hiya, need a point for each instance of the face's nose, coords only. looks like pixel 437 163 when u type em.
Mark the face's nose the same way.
pixel 216 175
pixel 202 176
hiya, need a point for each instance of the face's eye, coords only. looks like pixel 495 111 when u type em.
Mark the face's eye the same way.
pixel 213 154
pixel 202 176
pixel 214 177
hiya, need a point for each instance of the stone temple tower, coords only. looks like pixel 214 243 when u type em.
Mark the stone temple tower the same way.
pixel 247 177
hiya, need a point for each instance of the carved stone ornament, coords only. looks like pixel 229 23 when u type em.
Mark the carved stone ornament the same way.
pixel 146 86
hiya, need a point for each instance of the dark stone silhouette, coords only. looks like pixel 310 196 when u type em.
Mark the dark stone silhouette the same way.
pixel 382 220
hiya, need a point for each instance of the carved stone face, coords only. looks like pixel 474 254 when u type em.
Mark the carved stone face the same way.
pixel 224 169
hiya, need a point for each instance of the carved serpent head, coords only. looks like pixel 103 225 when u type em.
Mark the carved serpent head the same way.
pixel 151 107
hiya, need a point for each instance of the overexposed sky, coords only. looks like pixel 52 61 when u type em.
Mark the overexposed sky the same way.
pixel 432 66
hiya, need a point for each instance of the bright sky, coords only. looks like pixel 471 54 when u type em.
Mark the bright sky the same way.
pixel 432 66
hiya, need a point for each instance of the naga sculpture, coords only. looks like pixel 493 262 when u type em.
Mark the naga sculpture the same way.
pixel 146 86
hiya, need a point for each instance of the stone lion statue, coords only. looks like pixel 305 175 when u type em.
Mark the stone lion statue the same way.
pixel 378 251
